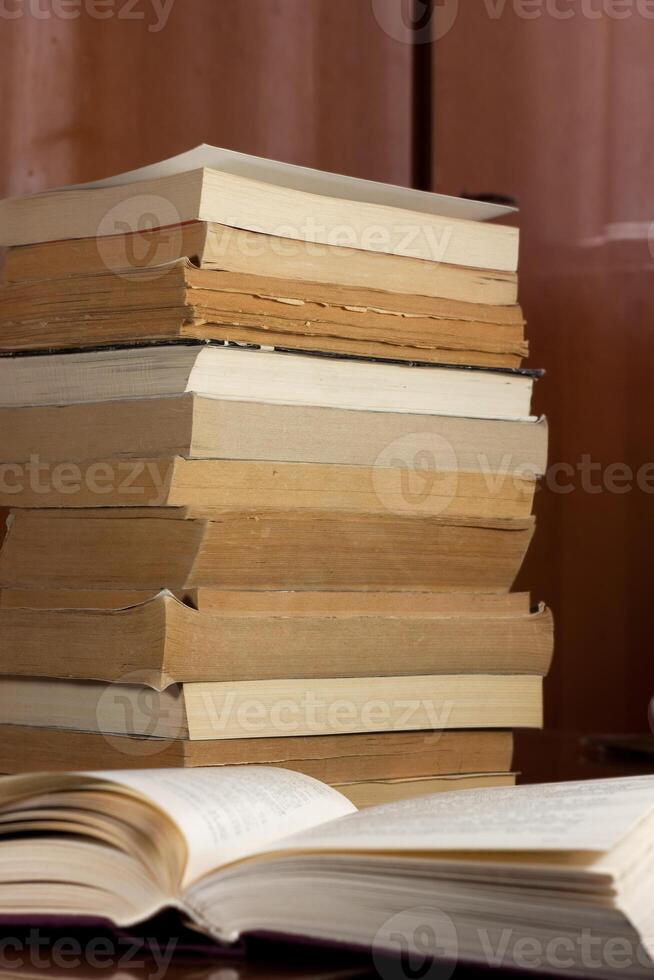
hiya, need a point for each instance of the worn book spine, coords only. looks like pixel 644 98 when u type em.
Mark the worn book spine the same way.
pixel 315 551
pixel 164 642
pixel 330 758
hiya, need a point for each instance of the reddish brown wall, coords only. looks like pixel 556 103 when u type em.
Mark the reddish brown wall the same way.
pixel 557 114
pixel 316 83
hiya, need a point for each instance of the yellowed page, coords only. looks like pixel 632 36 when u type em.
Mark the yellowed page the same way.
pixel 229 812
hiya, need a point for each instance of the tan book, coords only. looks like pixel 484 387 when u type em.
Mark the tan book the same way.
pixel 199 428
pixel 206 194
pixel 469 604
pixel 472 605
pixel 106 549
pixel 219 248
pixel 331 758
pixel 364 794
pixel 269 377
pixel 554 878
pixel 163 642
pixel 276 708
pixel 180 302
pixel 212 488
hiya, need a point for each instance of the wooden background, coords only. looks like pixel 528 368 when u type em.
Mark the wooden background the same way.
pixel 552 110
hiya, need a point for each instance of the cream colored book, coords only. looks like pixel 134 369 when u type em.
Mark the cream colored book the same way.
pixel 554 877
pixel 163 641
pixel 276 708
pixel 194 427
pixel 261 375
pixel 273 198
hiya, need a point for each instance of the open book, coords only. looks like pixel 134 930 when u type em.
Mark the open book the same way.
pixel 556 877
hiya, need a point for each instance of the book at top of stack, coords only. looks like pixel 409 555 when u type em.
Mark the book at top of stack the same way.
pixel 255 252
pixel 269 460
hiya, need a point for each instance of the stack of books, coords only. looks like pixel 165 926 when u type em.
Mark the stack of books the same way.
pixel 270 462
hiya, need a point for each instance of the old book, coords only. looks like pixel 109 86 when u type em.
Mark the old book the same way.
pixel 163 641
pixel 276 708
pixel 381 791
pixel 250 374
pixel 151 548
pixel 469 604
pixel 219 248
pixel 180 302
pixel 332 758
pixel 215 487
pixel 554 877
pixel 288 203
pixel 199 428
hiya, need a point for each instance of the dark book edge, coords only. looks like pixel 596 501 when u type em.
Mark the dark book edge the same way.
pixel 533 373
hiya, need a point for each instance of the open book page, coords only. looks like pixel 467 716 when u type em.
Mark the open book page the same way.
pixel 227 813
pixel 311 181
pixel 582 816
